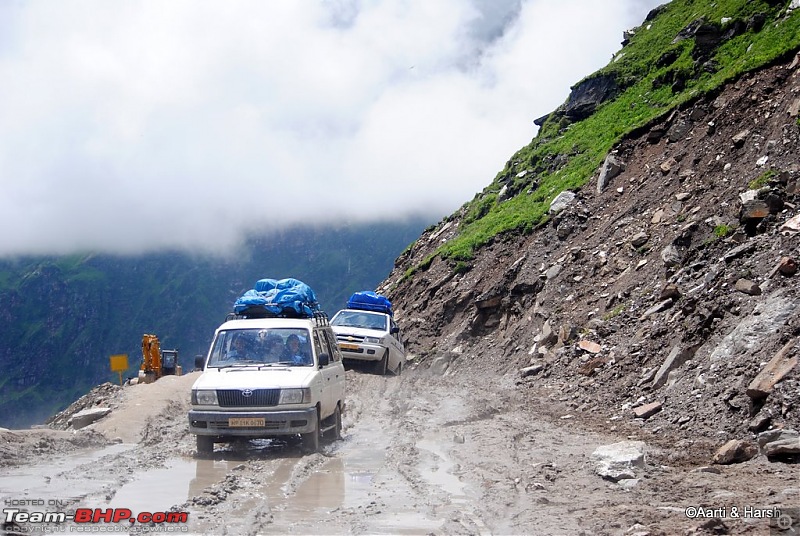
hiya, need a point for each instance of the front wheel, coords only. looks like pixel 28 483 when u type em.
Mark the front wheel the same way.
pixel 311 439
pixel 205 445
pixel 381 366
pixel 337 420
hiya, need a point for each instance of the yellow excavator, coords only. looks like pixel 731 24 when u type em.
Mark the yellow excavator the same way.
pixel 157 362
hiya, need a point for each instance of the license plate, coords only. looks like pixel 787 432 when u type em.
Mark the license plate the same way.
pixel 348 346
pixel 246 422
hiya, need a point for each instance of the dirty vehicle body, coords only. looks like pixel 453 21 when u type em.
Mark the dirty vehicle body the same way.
pixel 269 377
pixel 370 336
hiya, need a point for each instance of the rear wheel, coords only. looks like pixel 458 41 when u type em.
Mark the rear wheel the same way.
pixel 399 370
pixel 205 445
pixel 311 439
pixel 380 366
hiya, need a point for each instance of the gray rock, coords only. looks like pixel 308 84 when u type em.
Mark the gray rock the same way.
pixel 553 271
pixel 87 417
pixel 619 461
pixel 671 256
pixel 547 336
pixel 771 436
pixel 587 95
pixel 677 357
pixel 561 202
pixel 657 308
pixel 639 239
pixel 739 139
pixel 759 423
pixel 611 168
pixel 767 317
pixel 440 364
pixel 739 251
pixel 531 371
pixel 783 447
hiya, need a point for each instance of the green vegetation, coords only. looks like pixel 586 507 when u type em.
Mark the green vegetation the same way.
pixel 614 312
pixel 762 180
pixel 462 267
pixel 721 231
pixel 655 75
pixel 424 265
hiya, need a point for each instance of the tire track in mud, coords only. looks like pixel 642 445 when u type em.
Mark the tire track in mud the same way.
pixel 391 474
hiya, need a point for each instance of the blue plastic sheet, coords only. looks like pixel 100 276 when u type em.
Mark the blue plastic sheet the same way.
pixel 283 297
pixel 367 300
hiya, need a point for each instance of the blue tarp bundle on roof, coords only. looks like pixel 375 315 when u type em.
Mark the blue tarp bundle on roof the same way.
pixel 367 300
pixel 283 297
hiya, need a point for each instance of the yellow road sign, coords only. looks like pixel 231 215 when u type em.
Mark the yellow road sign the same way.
pixel 119 362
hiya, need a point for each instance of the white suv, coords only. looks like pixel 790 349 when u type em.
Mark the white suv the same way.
pixel 267 377
pixel 370 336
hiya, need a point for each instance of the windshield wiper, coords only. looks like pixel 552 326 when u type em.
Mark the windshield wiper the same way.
pixel 243 363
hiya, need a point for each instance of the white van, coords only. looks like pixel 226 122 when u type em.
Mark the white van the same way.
pixel 268 377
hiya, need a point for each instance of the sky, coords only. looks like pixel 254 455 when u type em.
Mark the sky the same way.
pixel 135 126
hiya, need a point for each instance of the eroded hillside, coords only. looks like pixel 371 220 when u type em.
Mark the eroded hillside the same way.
pixel 659 289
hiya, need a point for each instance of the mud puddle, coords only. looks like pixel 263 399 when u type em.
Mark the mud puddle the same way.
pixel 57 481
pixel 356 482
pixel 159 489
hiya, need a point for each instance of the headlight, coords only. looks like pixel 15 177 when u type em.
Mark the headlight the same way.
pixel 372 340
pixel 294 396
pixel 204 397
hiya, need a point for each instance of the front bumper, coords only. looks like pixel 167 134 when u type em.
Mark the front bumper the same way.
pixel 361 351
pixel 216 423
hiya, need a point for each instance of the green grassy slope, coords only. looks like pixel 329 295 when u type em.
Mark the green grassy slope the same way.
pixel 656 72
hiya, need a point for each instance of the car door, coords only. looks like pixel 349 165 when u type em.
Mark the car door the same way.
pixel 336 366
pixel 328 373
pixel 397 351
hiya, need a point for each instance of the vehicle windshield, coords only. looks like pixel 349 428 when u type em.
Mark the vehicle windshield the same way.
pixel 273 346
pixel 360 319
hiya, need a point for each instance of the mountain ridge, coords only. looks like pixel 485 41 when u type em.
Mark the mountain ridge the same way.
pixel 64 316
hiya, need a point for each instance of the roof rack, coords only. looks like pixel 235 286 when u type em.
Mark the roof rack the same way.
pixel 320 318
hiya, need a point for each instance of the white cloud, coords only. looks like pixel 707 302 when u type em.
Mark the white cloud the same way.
pixel 149 124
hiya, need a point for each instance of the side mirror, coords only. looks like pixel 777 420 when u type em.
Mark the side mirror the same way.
pixel 199 362
pixel 324 360
pixel 394 330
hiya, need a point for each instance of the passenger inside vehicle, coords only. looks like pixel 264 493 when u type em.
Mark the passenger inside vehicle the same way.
pixel 297 352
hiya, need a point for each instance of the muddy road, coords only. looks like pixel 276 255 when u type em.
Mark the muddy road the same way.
pixel 421 454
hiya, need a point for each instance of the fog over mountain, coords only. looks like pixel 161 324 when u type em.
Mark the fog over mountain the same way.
pixel 138 126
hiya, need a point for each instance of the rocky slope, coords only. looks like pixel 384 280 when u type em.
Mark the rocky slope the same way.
pixel 655 294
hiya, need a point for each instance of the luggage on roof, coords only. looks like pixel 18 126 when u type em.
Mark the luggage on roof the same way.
pixel 367 300
pixel 284 297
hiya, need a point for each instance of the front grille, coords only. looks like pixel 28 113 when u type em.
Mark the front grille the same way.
pixel 229 398
pixel 349 338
